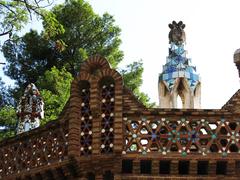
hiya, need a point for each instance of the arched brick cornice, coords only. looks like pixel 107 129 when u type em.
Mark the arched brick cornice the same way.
pixel 110 73
pixel 94 62
pixel 93 70
pixel 75 91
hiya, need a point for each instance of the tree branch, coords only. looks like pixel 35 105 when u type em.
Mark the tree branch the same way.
pixel 8 8
pixel 5 33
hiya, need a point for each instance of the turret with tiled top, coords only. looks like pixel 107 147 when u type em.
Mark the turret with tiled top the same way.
pixel 179 77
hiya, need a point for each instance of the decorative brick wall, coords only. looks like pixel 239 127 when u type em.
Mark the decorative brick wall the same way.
pixel 104 132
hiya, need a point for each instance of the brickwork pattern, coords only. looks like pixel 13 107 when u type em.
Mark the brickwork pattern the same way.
pixel 101 111
pixel 182 135
pixel 36 150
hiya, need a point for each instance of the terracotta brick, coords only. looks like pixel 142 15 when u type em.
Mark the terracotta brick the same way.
pixel 74 166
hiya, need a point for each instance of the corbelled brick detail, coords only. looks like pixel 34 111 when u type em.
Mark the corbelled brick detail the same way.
pixel 130 102
pixel 94 62
pixel 233 105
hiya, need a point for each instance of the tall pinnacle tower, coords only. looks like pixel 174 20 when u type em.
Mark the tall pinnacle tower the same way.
pixel 178 77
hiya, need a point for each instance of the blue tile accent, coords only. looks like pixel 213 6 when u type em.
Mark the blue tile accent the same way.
pixel 178 65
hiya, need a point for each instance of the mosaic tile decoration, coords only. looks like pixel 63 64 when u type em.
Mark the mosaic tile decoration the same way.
pixel 178 65
pixel 30 109
pixel 183 136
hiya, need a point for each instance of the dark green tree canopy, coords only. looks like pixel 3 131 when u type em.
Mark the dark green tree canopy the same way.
pixel 52 58
pixel 29 57
pixel 86 34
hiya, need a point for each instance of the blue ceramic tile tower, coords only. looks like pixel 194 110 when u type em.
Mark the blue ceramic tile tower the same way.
pixel 179 77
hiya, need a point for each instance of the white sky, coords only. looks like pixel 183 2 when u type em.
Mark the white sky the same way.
pixel 212 32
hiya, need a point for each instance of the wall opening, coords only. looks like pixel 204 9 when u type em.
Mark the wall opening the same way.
pixel 90 176
pixel 232 125
pixel 145 166
pixel 108 175
pixel 38 176
pixel 29 177
pixel 179 102
pixel 214 148
pixel 183 167
pixel 233 148
pixel 181 93
pixel 202 167
pixel 164 167
pixel 127 166
pixel 221 167
pixel 60 172
pixel 48 173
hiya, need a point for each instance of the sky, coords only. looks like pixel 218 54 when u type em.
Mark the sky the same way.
pixel 212 35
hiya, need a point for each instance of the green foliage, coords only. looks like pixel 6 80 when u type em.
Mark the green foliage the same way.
pixel 51 26
pixel 29 57
pixel 8 121
pixel 16 13
pixel 8 116
pixel 52 58
pixel 86 34
pixel 13 16
pixel 132 77
pixel 55 90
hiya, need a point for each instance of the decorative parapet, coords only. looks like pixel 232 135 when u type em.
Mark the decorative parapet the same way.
pixel 91 124
pixel 39 148
pixel 197 134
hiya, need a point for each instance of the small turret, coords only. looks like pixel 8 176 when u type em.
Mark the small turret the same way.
pixel 30 109
pixel 179 77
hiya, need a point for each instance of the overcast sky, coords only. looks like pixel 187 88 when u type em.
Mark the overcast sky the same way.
pixel 212 32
